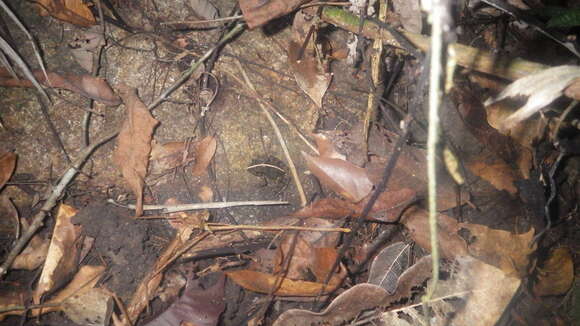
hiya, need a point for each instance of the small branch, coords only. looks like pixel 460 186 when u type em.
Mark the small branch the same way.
pixel 224 227
pixel 291 165
pixel 195 22
pixel 190 207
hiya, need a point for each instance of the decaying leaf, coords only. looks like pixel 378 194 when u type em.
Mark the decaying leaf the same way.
pixel 326 148
pixel 310 70
pixel 476 294
pixel 134 144
pixel 263 283
pixel 89 308
pixel 495 171
pixel 197 306
pixel 502 249
pixel 359 298
pixel 168 156
pixel 7 166
pixel 63 253
pixel 328 208
pixel 149 285
pixel 257 12
pixel 304 265
pixel 71 11
pixel 341 176
pixel 542 88
pixel 204 152
pixel 556 274
pixel 95 88
pixel 83 48
pixel 312 77
pixel 389 205
pixel 450 243
pixel 35 252
pixel 388 265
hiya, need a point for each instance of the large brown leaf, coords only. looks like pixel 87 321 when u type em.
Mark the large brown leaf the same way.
pixel 7 166
pixel 71 11
pixel 341 176
pixel 95 88
pixel 134 144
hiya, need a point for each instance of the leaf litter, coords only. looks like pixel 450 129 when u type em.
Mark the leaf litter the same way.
pixel 278 263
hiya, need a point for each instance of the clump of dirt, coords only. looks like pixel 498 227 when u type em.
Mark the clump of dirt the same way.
pixel 124 243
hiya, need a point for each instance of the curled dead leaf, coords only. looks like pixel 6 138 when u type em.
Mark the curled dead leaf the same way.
pixel 204 152
pixel 312 75
pixel 7 166
pixel 134 144
pixel 95 88
pixel 75 12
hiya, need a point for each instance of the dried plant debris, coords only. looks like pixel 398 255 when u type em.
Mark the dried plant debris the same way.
pixel 95 88
pixel 204 9
pixel 85 46
pixel 556 274
pixel 134 144
pixel 75 12
pixel 475 294
pixel 359 298
pixel 388 265
pixel 258 12
pixel 310 68
pixel 542 88
pixel 7 166
pixel 197 306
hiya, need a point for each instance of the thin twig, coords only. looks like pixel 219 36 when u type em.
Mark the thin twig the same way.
pixel 69 175
pixel 291 165
pixel 225 227
pixel 195 22
pixel 190 207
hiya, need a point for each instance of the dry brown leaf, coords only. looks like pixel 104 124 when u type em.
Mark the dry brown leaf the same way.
pixel 83 48
pixel 182 221
pixel 92 307
pixel 495 171
pixel 389 205
pixel 327 208
pixel 149 285
pixel 168 156
pixel 263 283
pixel 33 255
pixel 502 249
pixel 450 243
pixel 84 280
pixel 71 11
pixel 311 76
pixel 341 176
pixel 7 166
pixel 556 274
pixel 204 152
pixel 326 148
pixel 257 12
pixel 359 298
pixel 134 144
pixel 63 253
pixel 527 133
pixel 95 88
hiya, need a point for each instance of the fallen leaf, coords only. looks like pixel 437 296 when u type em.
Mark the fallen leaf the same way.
pixel 149 285
pixel 328 208
pixel 75 12
pixel 95 88
pixel 7 166
pixel 84 280
pixel 35 252
pixel 312 77
pixel 198 306
pixel 556 274
pixel 359 298
pixel 389 205
pixel 204 10
pixel 134 144
pixel 186 221
pixel 263 283
pixel 388 265
pixel 341 176
pixel 83 48
pixel 450 243
pixel 495 171
pixel 326 148
pixel 89 308
pixel 542 88
pixel 475 294
pixel 63 253
pixel 257 12
pixel 502 249
pixel 204 152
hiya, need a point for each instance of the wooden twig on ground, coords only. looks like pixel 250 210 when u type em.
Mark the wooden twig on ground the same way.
pixel 77 164
pixel 467 56
pixel 289 160
pixel 224 227
pixel 190 207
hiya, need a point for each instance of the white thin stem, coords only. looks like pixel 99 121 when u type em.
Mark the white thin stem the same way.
pixel 190 207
